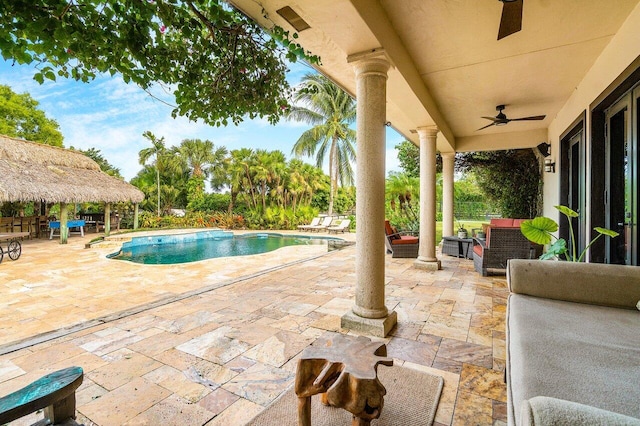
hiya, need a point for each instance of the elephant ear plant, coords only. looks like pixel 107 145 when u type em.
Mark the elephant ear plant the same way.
pixel 540 230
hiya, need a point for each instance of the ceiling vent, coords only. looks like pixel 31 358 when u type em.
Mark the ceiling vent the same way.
pixel 293 18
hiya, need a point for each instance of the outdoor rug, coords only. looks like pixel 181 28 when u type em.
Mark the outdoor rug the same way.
pixel 411 399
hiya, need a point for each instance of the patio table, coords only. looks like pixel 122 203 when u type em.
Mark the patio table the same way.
pixel 460 247
pixel 55 224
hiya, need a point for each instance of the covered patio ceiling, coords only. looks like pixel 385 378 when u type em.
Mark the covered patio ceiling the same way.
pixel 449 69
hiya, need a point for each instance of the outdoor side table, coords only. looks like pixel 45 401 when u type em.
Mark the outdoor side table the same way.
pixel 459 247
pixel 345 372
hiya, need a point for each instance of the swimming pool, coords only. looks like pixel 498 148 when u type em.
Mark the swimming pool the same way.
pixel 184 248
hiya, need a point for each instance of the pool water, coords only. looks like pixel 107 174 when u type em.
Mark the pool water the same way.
pixel 184 248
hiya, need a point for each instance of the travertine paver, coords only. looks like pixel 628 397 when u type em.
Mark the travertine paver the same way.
pixel 223 342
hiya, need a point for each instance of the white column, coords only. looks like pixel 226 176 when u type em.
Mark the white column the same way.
pixel 427 250
pixel 370 314
pixel 448 160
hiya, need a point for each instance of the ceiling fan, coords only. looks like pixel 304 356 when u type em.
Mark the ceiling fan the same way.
pixel 511 20
pixel 501 119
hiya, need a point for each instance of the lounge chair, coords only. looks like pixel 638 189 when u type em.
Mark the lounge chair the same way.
pixel 314 222
pixel 326 222
pixel 400 244
pixel 340 226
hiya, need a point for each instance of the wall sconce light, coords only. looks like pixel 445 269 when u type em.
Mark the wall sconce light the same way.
pixel 549 165
pixel 544 149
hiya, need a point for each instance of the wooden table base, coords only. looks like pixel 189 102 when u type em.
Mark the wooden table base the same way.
pixel 344 372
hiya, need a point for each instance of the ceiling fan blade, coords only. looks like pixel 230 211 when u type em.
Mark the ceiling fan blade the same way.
pixel 488 125
pixel 491 118
pixel 532 118
pixel 511 20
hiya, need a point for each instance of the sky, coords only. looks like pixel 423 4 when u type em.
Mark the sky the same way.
pixel 110 115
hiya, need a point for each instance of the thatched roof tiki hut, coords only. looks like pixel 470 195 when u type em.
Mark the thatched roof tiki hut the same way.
pixel 31 171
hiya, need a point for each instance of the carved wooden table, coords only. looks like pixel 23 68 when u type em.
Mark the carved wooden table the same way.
pixel 345 372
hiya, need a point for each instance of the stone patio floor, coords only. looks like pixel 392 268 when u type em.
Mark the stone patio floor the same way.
pixel 214 342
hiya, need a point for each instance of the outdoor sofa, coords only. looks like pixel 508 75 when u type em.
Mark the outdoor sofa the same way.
pixel 503 241
pixel 573 343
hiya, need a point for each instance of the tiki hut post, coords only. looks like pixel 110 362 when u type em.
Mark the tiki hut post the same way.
pixel 107 219
pixel 135 216
pixel 64 230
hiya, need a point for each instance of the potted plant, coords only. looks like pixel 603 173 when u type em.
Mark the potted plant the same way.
pixel 462 231
pixel 540 230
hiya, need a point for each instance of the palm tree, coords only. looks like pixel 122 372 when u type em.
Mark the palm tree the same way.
pixel 400 189
pixel 319 102
pixel 240 176
pixel 201 156
pixel 157 150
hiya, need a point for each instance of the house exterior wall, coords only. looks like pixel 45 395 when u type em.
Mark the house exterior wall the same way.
pixel 618 58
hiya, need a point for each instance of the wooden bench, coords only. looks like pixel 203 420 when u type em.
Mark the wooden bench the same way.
pixel 55 392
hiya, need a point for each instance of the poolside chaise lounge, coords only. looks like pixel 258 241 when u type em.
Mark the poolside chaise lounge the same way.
pixel 326 222
pixel 314 222
pixel 341 225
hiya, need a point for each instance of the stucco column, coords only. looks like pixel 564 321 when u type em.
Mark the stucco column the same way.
pixel 448 159
pixel 427 250
pixel 64 229
pixel 370 314
pixel 107 219
pixel 135 216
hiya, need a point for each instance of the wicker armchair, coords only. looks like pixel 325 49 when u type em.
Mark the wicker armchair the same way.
pixel 502 244
pixel 400 244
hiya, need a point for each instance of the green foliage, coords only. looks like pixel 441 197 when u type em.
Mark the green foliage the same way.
pixel 331 111
pixel 409 157
pixel 345 200
pixel 148 220
pixel 276 217
pixel 211 202
pixel 509 179
pixel 259 182
pixel 402 192
pixel 20 117
pixel 220 64
pixel 540 231
pixel 105 166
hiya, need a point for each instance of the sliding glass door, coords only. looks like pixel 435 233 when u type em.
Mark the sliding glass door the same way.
pixel 622 189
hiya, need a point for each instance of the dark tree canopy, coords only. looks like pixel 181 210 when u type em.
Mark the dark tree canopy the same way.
pixel 21 118
pixel 409 157
pixel 220 65
pixel 105 166
pixel 510 179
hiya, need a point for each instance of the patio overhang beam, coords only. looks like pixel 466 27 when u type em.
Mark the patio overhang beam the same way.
pixel 376 19
pixel 502 141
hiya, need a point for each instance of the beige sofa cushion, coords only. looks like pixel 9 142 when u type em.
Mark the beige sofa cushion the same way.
pixel 545 411
pixel 576 352
pixel 592 283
